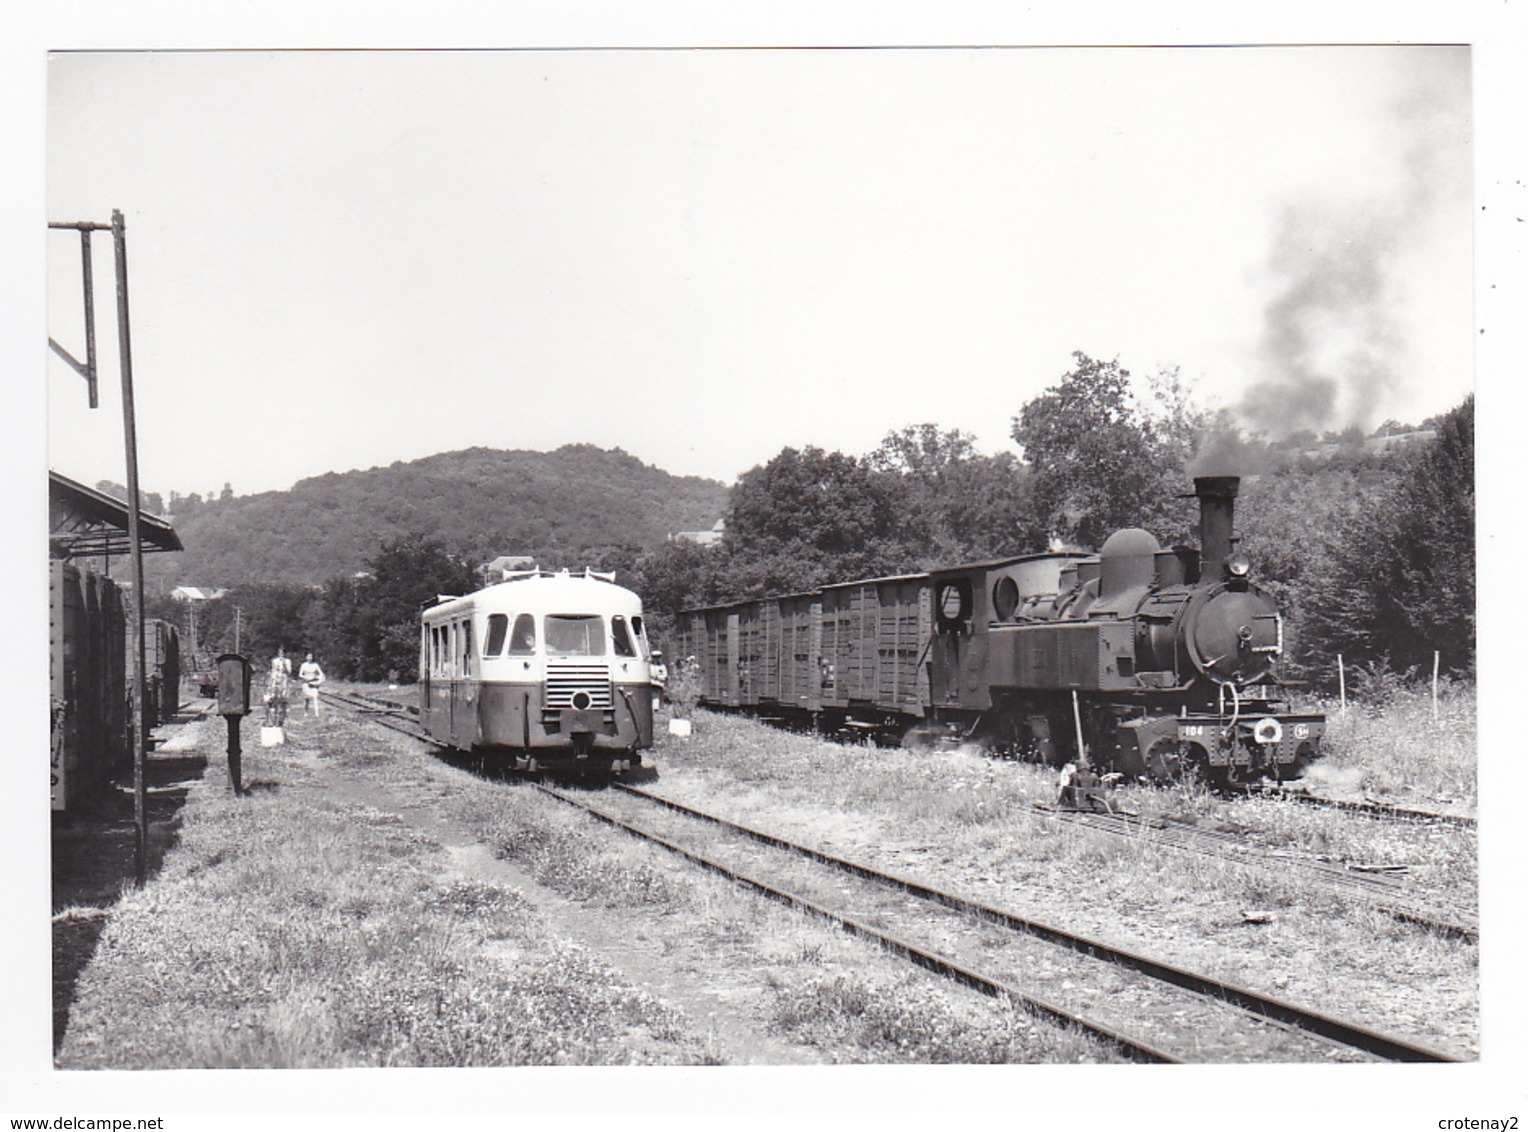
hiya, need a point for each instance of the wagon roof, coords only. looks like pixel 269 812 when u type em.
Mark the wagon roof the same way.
pixel 877 581
pixel 999 563
pixel 991 564
pixel 794 594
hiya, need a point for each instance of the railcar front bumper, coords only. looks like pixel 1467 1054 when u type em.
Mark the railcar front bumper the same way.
pixel 516 716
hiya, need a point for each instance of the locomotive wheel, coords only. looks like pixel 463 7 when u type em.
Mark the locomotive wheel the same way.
pixel 1164 760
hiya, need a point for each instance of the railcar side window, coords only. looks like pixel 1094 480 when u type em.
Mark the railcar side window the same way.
pixel 466 648
pixel 622 638
pixel 522 642
pixel 636 631
pixel 498 629
pixel 574 634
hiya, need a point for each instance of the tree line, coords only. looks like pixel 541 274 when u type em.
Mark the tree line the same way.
pixel 1371 552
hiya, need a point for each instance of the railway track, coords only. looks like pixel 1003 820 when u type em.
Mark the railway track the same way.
pixel 1383 811
pixel 984 947
pixel 1387 885
pixel 1119 990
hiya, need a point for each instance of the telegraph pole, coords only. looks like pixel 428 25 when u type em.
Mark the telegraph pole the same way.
pixel 87 369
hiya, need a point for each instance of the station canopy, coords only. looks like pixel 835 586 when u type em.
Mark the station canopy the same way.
pixel 85 523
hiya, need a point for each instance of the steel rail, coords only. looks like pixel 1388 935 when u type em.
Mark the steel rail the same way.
pixel 1324 1025
pixel 1220 844
pixel 1265 1006
pixel 922 957
pixel 1382 810
pixel 1379 885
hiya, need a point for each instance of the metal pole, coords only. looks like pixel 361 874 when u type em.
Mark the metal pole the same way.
pixel 1342 684
pixel 1082 750
pixel 130 436
pixel 90 345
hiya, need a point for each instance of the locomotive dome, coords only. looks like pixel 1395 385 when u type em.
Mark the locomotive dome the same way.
pixel 1127 560
pixel 1129 542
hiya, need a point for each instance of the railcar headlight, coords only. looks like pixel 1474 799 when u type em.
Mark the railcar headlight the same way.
pixel 1237 566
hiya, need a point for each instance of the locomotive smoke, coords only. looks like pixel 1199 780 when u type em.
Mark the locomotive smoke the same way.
pixel 1329 348
pixel 1331 351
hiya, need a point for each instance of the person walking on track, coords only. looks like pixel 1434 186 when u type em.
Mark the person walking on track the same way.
pixel 276 688
pixel 312 677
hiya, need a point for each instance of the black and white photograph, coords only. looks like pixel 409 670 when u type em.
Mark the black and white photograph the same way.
pixel 697 566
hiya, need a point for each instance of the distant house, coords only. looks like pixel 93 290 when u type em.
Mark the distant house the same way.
pixel 505 565
pixel 195 593
pixel 704 538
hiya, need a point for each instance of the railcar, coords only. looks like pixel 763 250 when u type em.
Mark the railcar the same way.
pixel 540 670
pixel 1139 660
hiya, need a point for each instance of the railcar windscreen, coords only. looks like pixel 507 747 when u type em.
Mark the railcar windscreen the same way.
pixel 581 635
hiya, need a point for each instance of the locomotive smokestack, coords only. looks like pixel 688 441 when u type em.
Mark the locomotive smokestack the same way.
pixel 1217 508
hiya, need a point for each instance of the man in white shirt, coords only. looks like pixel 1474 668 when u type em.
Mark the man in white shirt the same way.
pixel 311 676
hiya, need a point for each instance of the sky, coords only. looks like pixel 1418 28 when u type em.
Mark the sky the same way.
pixel 339 259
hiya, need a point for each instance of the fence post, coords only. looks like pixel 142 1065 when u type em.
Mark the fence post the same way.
pixel 1342 684
pixel 1435 686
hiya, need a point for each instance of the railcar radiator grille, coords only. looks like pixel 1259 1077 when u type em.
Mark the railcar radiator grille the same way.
pixel 564 681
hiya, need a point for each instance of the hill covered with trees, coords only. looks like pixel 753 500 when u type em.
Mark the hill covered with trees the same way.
pixel 576 506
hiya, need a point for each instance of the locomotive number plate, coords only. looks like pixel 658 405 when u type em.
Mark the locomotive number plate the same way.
pixel 1302 731
pixel 1192 730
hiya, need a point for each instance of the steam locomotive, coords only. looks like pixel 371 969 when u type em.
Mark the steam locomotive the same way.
pixel 1140 660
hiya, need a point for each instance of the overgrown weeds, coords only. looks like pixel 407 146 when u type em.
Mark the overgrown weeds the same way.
pixel 900 1021
pixel 1396 744
pixel 983 826
pixel 337 936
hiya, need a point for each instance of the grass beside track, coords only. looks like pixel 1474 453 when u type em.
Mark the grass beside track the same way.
pixel 316 923
pixel 294 929
pixel 1393 748
pixel 969 822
